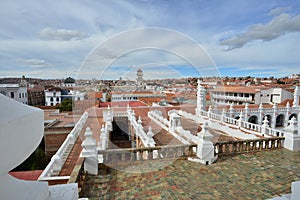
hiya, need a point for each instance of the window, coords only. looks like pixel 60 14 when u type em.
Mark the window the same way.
pixel 23 95
pixel 51 98
pixel 246 95
pixel 57 98
pixel 54 94
pixel 51 104
pixel 19 95
pixel 12 94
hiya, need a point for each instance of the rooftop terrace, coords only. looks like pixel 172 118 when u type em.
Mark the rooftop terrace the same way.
pixel 260 175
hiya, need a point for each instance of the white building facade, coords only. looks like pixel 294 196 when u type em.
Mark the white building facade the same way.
pixel 53 96
pixel 56 95
pixel 17 92
pixel 249 95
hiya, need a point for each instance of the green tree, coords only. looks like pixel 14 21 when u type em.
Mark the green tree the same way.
pixel 66 105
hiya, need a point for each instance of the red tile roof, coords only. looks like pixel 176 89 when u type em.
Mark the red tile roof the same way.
pixel 149 100
pixel 95 95
pixel 122 104
pixel 27 175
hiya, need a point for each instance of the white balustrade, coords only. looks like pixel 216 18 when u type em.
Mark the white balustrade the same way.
pixel 164 123
pixel 56 162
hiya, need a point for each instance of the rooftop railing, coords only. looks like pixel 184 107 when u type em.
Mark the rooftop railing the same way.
pixel 53 168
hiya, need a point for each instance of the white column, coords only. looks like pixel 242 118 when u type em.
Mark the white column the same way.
pixel 292 137
pixel 264 126
pixel 287 114
pixel 231 110
pixel 201 98
pixel 223 115
pixel 273 125
pixel 89 151
pixel 246 111
pixel 296 97
pixel 209 111
pixel 240 119
pixel 260 116
pixel 205 147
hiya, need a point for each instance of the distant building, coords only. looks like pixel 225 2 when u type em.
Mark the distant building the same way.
pixel 17 92
pixel 36 97
pixel 139 78
pixel 56 95
pixel 133 96
pixel 53 96
pixel 69 82
pixel 252 95
pixel 295 76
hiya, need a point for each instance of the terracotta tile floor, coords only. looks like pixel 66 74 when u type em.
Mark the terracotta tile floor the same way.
pixel 260 175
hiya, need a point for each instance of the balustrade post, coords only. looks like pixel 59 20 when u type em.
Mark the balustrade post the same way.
pixel 273 121
pixel 246 112
pixel 240 119
pixel 296 97
pixel 150 140
pixel 260 117
pixel 205 147
pixel 287 114
pixel 209 112
pixel 231 110
pixel 292 136
pixel 264 126
pixel 89 151
pixel 223 115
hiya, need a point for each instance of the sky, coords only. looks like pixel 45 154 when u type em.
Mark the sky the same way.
pixel 111 39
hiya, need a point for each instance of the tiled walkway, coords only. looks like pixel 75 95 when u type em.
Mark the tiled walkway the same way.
pixel 261 175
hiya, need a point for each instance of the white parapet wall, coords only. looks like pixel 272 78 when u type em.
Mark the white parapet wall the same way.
pixel 22 129
pixel 21 132
pixel 55 164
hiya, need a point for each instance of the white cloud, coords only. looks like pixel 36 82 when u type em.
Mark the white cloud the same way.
pixel 278 26
pixel 61 34
pixel 148 45
pixel 36 63
pixel 279 10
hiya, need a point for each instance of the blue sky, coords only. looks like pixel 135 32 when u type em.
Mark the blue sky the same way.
pixel 56 39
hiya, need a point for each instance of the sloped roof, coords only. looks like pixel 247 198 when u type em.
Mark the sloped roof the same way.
pixel 122 104
pixel 27 175
pixel 94 95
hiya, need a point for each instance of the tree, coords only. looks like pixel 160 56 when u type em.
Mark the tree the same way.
pixel 66 105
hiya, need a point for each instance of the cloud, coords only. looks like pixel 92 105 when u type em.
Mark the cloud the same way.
pixel 36 63
pixel 278 26
pixel 148 45
pixel 61 34
pixel 279 10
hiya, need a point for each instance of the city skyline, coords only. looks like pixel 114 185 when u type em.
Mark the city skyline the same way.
pixel 52 40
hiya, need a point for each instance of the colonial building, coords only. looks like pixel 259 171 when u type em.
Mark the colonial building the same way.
pixel 69 82
pixel 36 97
pixel 133 96
pixel 252 95
pixel 139 78
pixel 56 95
pixel 53 96
pixel 17 92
